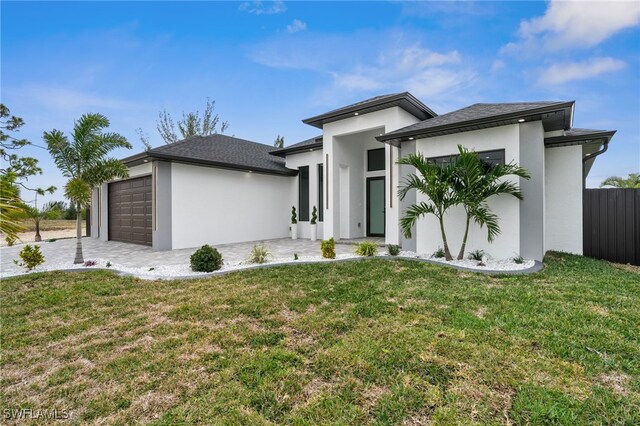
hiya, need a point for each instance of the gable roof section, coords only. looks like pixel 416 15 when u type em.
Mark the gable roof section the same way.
pixel 306 145
pixel 218 151
pixel 579 136
pixel 556 115
pixel 404 100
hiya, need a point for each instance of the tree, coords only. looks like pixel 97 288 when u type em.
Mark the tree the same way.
pixel 474 181
pixel 191 124
pixel 434 181
pixel 83 161
pixel 633 181
pixel 279 142
pixel 38 215
pixel 14 172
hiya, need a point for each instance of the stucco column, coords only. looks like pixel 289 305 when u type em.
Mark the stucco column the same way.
pixel 104 212
pixel 161 206
pixel 408 244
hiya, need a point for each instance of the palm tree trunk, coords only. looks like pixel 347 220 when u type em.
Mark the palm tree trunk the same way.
pixel 464 239
pixel 38 238
pixel 447 253
pixel 78 258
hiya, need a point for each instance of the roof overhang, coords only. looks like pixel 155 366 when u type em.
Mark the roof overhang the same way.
pixel 405 100
pixel 146 157
pixel 283 152
pixel 554 117
pixel 579 139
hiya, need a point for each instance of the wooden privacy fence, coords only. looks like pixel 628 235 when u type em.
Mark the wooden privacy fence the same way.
pixel 612 225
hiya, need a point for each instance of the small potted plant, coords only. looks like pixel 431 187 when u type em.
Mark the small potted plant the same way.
pixel 314 226
pixel 294 223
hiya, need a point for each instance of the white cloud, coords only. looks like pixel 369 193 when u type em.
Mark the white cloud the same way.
pixel 564 72
pixel 571 24
pixel 66 99
pixel 263 8
pixel 296 26
pixel 497 65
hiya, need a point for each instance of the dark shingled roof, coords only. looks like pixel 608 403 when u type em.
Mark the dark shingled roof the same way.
pixel 220 151
pixel 476 114
pixel 404 100
pixel 305 145
pixel 580 136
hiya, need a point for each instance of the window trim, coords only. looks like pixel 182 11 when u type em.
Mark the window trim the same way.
pixel 369 151
pixel 320 169
pixel 501 150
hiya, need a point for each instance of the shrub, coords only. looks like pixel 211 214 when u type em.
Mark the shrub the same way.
pixel 328 248
pixel 31 257
pixel 314 215
pixel 206 259
pixel 476 255
pixel 393 249
pixel 438 254
pixel 367 248
pixel 295 256
pixel 294 216
pixel 518 259
pixel 90 263
pixel 259 254
pixel 10 240
pixel 108 265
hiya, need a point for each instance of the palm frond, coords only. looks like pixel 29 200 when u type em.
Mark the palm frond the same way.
pixel 413 213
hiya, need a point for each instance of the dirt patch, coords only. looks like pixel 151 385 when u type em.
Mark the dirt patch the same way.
pixel 598 310
pixel 480 312
pixel 616 381
pixel 627 267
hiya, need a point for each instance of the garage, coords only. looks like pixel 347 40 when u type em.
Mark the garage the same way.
pixel 130 211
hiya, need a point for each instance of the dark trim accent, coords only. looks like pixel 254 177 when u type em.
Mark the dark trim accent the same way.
pixel 384 203
pixel 130 163
pixel 304 217
pixel 476 152
pixel 396 137
pixel 391 177
pixel 604 136
pixel 320 171
pixel 404 100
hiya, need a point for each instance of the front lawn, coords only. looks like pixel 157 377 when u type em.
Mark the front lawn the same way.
pixel 372 341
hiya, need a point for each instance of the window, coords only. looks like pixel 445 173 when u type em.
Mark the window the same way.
pixel 320 192
pixel 303 194
pixel 489 158
pixel 375 159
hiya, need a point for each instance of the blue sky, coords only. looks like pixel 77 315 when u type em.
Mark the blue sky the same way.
pixel 268 65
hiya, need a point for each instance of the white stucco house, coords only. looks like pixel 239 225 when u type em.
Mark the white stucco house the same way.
pixel 221 189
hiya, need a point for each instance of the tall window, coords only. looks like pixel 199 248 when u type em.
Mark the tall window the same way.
pixel 320 192
pixel 303 194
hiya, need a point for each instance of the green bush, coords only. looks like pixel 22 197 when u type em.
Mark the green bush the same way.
pixel 393 249
pixel 439 253
pixel 31 257
pixel 518 259
pixel 206 259
pixel 328 248
pixel 294 216
pixel 367 248
pixel 10 240
pixel 476 255
pixel 259 254
pixel 314 215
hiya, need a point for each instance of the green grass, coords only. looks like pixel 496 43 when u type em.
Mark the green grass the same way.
pixel 366 342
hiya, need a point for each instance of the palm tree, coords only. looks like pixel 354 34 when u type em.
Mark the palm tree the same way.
pixel 10 207
pixel 38 215
pixel 633 181
pixel 83 162
pixel 434 181
pixel 474 182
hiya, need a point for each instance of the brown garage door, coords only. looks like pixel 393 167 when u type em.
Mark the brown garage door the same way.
pixel 130 211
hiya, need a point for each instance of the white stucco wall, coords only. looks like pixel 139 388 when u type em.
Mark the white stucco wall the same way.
pixel 563 199
pixel 385 121
pixel 311 159
pixel 218 206
pixel 507 244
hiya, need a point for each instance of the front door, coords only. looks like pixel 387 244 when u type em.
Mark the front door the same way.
pixel 375 207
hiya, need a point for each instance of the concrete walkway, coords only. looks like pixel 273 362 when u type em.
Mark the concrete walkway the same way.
pixel 133 255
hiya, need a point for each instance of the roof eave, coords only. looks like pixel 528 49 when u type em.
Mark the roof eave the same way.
pixel 558 141
pixel 296 150
pixel 396 138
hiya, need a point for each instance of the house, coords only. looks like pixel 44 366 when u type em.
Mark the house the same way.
pixel 220 189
